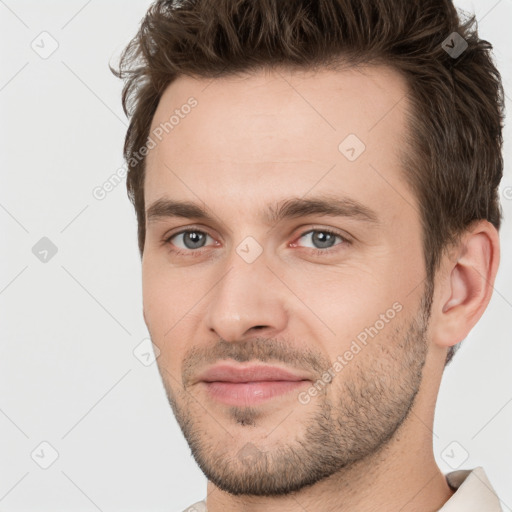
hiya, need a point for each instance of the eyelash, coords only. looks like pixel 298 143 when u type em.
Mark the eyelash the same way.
pixel 314 251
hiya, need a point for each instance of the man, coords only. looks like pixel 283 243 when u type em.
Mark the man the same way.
pixel 316 191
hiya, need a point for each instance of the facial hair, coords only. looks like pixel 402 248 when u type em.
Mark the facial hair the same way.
pixel 354 418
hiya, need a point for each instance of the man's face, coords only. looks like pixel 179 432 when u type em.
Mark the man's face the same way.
pixel 318 294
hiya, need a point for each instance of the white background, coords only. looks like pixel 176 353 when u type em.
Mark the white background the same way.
pixel 68 327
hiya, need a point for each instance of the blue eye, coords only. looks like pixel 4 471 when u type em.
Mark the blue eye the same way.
pixel 322 238
pixel 191 239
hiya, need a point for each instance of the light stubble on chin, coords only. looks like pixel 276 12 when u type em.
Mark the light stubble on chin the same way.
pixel 353 419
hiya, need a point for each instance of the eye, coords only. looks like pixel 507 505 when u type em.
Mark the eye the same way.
pixel 188 240
pixel 322 239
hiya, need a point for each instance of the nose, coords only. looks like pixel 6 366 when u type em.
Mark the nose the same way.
pixel 247 301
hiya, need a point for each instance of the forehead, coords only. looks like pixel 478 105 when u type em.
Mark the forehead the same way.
pixel 280 132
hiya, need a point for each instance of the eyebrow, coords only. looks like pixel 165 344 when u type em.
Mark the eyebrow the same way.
pixel 288 209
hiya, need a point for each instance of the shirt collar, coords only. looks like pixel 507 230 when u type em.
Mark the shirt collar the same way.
pixel 474 492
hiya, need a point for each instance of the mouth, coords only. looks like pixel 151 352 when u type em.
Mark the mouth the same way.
pixel 250 385
pixel 251 393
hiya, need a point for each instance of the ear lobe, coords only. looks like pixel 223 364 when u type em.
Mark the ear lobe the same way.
pixel 466 287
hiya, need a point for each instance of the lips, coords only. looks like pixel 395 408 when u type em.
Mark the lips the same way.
pixel 250 385
pixel 252 373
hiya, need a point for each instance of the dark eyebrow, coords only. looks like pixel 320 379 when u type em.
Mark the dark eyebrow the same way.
pixel 322 205
pixel 288 209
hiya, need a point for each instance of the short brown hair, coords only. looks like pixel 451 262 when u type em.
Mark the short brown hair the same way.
pixel 454 164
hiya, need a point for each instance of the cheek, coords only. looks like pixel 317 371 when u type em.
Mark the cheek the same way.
pixel 361 302
pixel 162 313
pixel 342 292
pixel 170 301
pixel 161 297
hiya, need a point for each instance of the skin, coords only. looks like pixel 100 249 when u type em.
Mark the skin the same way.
pixel 365 441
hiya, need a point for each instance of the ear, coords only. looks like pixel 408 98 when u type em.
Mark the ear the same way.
pixel 464 285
